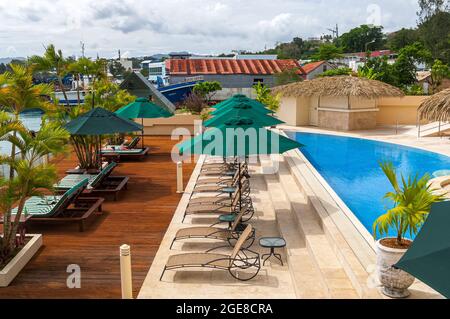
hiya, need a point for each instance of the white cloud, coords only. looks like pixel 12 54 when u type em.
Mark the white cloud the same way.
pixel 202 26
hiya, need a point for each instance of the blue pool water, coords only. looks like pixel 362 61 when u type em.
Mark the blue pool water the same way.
pixel 351 168
pixel 31 120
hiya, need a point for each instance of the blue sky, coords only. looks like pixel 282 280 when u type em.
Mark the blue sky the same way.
pixel 141 27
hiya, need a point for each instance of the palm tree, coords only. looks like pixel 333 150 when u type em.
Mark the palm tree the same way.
pixel 83 66
pixel 32 176
pixel 52 60
pixel 412 204
pixel 18 93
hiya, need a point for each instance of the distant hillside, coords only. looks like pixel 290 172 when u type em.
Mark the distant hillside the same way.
pixel 8 60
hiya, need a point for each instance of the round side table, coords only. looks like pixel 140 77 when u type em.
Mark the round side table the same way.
pixel 272 243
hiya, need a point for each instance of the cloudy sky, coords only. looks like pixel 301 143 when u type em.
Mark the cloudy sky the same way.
pixel 142 27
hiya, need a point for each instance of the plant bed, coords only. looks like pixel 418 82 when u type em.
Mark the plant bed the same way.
pixel 392 243
pixel 21 258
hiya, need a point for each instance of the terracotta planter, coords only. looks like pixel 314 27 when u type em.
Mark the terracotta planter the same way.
pixel 12 269
pixel 395 282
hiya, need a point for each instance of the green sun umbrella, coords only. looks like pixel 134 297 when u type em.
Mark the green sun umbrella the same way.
pixel 142 109
pixel 428 259
pixel 243 110
pixel 99 121
pixel 238 137
pixel 237 99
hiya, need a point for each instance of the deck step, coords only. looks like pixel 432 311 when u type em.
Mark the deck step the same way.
pixel 294 214
pixel 307 278
pixel 352 252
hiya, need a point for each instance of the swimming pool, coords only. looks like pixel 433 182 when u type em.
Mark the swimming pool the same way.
pixel 351 167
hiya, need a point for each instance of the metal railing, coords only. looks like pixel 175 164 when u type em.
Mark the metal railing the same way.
pixel 4 169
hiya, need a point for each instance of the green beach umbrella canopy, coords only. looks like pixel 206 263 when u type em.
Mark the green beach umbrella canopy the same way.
pixel 243 110
pixel 428 258
pixel 256 108
pixel 237 99
pixel 142 109
pixel 238 137
pixel 99 121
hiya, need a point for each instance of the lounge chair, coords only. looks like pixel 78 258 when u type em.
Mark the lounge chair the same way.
pixel 100 184
pixel 69 207
pixel 242 263
pixel 222 196
pixel 221 185
pixel 222 208
pixel 230 235
pixel 220 180
pixel 116 153
pixel 132 144
pixel 222 171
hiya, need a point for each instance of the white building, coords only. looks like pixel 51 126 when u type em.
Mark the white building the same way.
pixel 127 64
pixel 156 70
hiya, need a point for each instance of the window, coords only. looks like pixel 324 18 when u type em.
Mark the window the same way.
pixel 325 68
pixel 155 71
pixel 256 81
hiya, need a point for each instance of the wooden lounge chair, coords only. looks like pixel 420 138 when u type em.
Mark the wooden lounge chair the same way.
pixel 66 208
pixel 119 155
pixel 230 235
pixel 242 263
pixel 132 144
pixel 102 184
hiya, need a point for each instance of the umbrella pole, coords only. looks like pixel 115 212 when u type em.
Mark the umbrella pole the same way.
pixel 99 153
pixel 142 121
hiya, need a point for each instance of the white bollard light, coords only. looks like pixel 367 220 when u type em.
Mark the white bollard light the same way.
pixel 180 178
pixel 125 272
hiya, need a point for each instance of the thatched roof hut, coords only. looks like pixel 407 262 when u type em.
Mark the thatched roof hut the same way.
pixel 339 86
pixel 436 107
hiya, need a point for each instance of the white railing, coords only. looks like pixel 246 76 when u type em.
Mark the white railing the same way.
pixel 4 169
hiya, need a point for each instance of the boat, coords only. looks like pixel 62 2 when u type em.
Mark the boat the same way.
pixel 177 93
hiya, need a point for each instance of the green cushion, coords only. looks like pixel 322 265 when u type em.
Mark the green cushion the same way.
pixel 130 151
pixel 70 181
pixel 103 174
pixel 36 206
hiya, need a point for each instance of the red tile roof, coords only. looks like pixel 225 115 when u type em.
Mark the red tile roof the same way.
pixel 190 67
pixel 308 68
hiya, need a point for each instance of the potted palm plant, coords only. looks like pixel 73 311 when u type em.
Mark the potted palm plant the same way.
pixel 32 176
pixel 412 199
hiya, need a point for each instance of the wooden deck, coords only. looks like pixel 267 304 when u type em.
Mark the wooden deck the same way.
pixel 140 218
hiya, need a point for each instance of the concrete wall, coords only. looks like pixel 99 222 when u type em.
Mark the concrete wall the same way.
pixel 288 111
pixel 402 110
pixel 347 121
pixel 303 105
pixel 296 111
pixel 165 126
pixel 226 93
pixel 360 103
pixel 334 102
pixel 232 80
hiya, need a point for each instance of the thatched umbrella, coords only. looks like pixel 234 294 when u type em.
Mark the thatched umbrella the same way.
pixel 339 86
pixel 436 108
